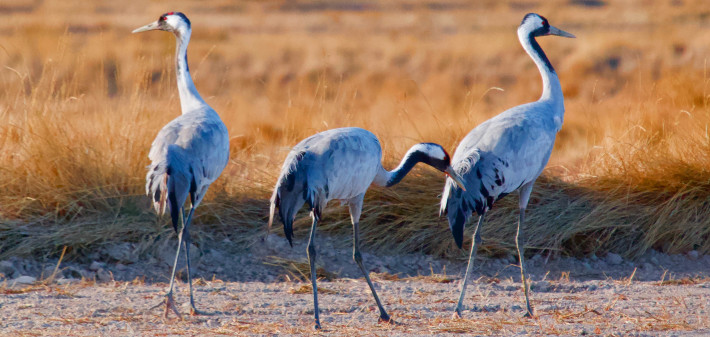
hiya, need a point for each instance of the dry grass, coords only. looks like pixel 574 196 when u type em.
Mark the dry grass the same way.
pixel 308 289
pixel 81 100
pixel 299 270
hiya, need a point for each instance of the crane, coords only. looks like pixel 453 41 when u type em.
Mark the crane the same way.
pixel 188 154
pixel 506 153
pixel 341 164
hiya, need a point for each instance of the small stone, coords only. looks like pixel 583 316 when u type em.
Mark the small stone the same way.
pixel 693 254
pixel 541 287
pixel 89 275
pixel 120 266
pixel 49 271
pixel 24 280
pixel 72 272
pixel 491 308
pixel 122 252
pixel 63 281
pixel 166 255
pixel 7 268
pixel 96 265
pixel 104 275
pixel 600 264
pixel 614 259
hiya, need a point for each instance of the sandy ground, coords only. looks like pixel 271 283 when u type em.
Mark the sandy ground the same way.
pixel 250 292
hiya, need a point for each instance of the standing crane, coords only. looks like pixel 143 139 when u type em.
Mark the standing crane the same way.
pixel 506 153
pixel 188 154
pixel 341 164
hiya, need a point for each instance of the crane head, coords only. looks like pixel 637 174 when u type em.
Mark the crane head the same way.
pixel 537 25
pixel 174 22
pixel 435 155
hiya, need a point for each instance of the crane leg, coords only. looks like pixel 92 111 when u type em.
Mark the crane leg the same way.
pixel 520 241
pixel 474 247
pixel 187 241
pixel 355 205
pixel 384 317
pixel 312 262
pixel 169 302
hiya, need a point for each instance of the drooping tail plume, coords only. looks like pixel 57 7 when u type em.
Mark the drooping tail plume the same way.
pixel 290 193
pixel 168 182
pixel 458 204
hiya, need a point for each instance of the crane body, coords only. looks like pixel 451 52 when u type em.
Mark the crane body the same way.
pixel 506 153
pixel 188 154
pixel 341 164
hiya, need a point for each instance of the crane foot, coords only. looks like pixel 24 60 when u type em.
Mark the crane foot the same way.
pixel 387 320
pixel 316 326
pixel 169 305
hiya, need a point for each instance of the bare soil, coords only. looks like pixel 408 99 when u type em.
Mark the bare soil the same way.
pixel 261 290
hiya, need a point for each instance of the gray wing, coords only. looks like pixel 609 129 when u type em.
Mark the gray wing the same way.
pixel 340 163
pixel 495 159
pixel 346 161
pixel 334 164
pixel 195 148
pixel 204 139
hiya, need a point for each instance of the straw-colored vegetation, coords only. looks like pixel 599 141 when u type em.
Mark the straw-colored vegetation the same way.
pixel 81 100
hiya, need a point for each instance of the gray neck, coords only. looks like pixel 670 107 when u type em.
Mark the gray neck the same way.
pixel 419 153
pixel 190 99
pixel 408 162
pixel 551 89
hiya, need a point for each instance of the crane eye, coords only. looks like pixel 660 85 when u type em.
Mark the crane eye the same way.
pixel 162 18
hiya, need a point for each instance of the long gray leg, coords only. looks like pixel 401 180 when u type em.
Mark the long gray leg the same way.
pixel 312 262
pixel 187 241
pixel 474 246
pixel 169 301
pixel 355 211
pixel 520 241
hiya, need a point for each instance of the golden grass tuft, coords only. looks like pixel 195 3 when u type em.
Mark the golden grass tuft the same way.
pixel 81 100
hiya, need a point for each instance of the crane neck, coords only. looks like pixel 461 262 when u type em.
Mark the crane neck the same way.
pixel 190 99
pixel 551 88
pixel 406 165
pixel 420 153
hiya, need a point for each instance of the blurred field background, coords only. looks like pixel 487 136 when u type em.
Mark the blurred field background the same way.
pixel 81 100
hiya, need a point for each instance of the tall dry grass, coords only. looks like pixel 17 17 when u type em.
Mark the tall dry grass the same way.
pixel 81 100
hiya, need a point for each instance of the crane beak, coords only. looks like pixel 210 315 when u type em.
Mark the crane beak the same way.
pixel 150 26
pixel 455 177
pixel 559 32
